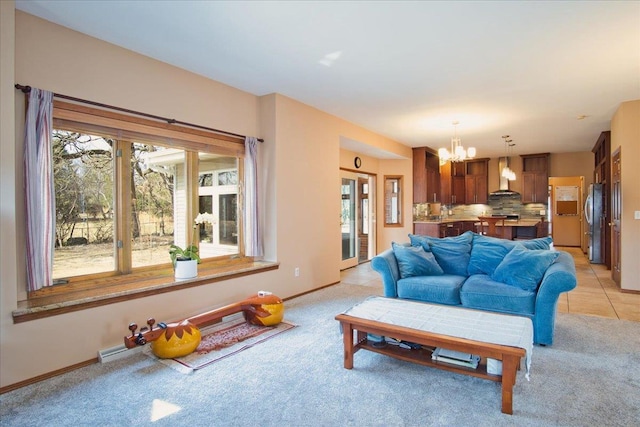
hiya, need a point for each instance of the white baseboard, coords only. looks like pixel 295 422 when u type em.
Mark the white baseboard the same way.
pixel 116 353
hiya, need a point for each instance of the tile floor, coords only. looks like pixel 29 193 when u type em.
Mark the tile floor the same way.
pixel 596 293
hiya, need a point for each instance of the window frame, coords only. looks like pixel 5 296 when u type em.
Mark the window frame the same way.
pixel 125 130
pixel 393 204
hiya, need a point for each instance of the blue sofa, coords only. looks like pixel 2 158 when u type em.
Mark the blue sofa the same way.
pixel 523 278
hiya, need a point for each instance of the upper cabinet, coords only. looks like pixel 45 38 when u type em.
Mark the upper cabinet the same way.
pixel 602 154
pixel 535 178
pixel 426 176
pixel 452 183
pixel 476 181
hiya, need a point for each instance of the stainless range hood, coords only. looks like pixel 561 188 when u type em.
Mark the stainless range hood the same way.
pixel 504 182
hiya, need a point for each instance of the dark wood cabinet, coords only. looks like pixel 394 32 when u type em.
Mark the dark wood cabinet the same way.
pixel 426 176
pixel 443 229
pixel 476 181
pixel 426 229
pixel 602 175
pixel 452 185
pixel 535 178
pixel 419 176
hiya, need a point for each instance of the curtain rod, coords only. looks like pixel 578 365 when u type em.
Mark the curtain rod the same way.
pixel 27 89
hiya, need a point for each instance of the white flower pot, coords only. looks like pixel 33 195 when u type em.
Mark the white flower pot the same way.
pixel 186 269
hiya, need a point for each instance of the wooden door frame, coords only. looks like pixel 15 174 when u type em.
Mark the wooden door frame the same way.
pixel 616 216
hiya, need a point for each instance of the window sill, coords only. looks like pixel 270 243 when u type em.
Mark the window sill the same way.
pixel 110 290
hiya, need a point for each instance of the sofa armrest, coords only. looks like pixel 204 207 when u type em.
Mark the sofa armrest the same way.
pixel 385 263
pixel 559 277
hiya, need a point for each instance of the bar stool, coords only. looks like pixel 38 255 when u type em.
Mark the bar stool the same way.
pixel 542 228
pixel 492 229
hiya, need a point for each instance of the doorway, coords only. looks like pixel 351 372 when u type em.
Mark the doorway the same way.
pixel 357 218
pixel 566 213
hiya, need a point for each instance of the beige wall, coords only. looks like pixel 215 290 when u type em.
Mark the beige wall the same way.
pixel 300 154
pixel 625 135
pixel 573 164
pixel 8 190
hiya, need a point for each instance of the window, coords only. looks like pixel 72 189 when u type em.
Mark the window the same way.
pixel 393 201
pixel 123 196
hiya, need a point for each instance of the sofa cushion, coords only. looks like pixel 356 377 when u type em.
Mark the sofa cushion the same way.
pixel 443 289
pixel 524 268
pixel 539 243
pixel 487 253
pixel 415 261
pixel 481 292
pixel 452 253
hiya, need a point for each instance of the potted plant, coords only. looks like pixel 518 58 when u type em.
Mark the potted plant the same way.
pixel 185 261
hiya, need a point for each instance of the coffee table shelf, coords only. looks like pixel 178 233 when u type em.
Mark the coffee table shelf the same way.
pixel 423 357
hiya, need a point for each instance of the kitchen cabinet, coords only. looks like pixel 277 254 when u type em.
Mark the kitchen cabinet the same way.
pixel 427 229
pixel 443 229
pixel 476 181
pixel 426 176
pixel 468 226
pixel 535 178
pixel 452 185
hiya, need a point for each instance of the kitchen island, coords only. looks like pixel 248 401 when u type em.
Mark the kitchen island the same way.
pixel 524 228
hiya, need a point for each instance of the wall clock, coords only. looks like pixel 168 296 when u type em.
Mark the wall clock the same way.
pixel 357 162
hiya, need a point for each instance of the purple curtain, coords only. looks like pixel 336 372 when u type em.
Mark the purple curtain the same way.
pixel 253 234
pixel 40 197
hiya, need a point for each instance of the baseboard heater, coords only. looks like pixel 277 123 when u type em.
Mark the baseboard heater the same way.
pixel 118 352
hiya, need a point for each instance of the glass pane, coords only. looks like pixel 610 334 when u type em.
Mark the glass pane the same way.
pixel 392 201
pixel 206 180
pixel 228 208
pixel 206 228
pixel 365 216
pixel 218 205
pixel 154 170
pixel 83 185
pixel 228 178
pixel 348 218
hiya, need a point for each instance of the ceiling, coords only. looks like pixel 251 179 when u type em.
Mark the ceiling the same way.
pixel 405 70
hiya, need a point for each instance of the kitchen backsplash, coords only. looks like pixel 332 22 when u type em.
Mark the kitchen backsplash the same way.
pixel 496 206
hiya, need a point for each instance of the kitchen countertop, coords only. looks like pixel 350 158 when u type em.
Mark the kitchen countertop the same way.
pixel 522 222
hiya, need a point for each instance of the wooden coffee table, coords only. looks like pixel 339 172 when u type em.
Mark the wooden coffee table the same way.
pixel 404 320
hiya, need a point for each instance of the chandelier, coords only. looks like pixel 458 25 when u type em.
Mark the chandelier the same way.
pixel 506 170
pixel 458 152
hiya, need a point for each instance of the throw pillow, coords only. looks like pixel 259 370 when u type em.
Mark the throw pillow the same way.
pixel 539 243
pixel 524 268
pixel 415 261
pixel 452 253
pixel 418 240
pixel 487 253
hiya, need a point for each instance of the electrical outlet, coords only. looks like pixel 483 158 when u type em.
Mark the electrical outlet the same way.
pixel 296 272
pixel 636 215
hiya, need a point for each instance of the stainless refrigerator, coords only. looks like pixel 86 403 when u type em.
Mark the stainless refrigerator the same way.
pixel 594 215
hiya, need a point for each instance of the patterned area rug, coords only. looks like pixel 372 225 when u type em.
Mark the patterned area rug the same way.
pixel 222 340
